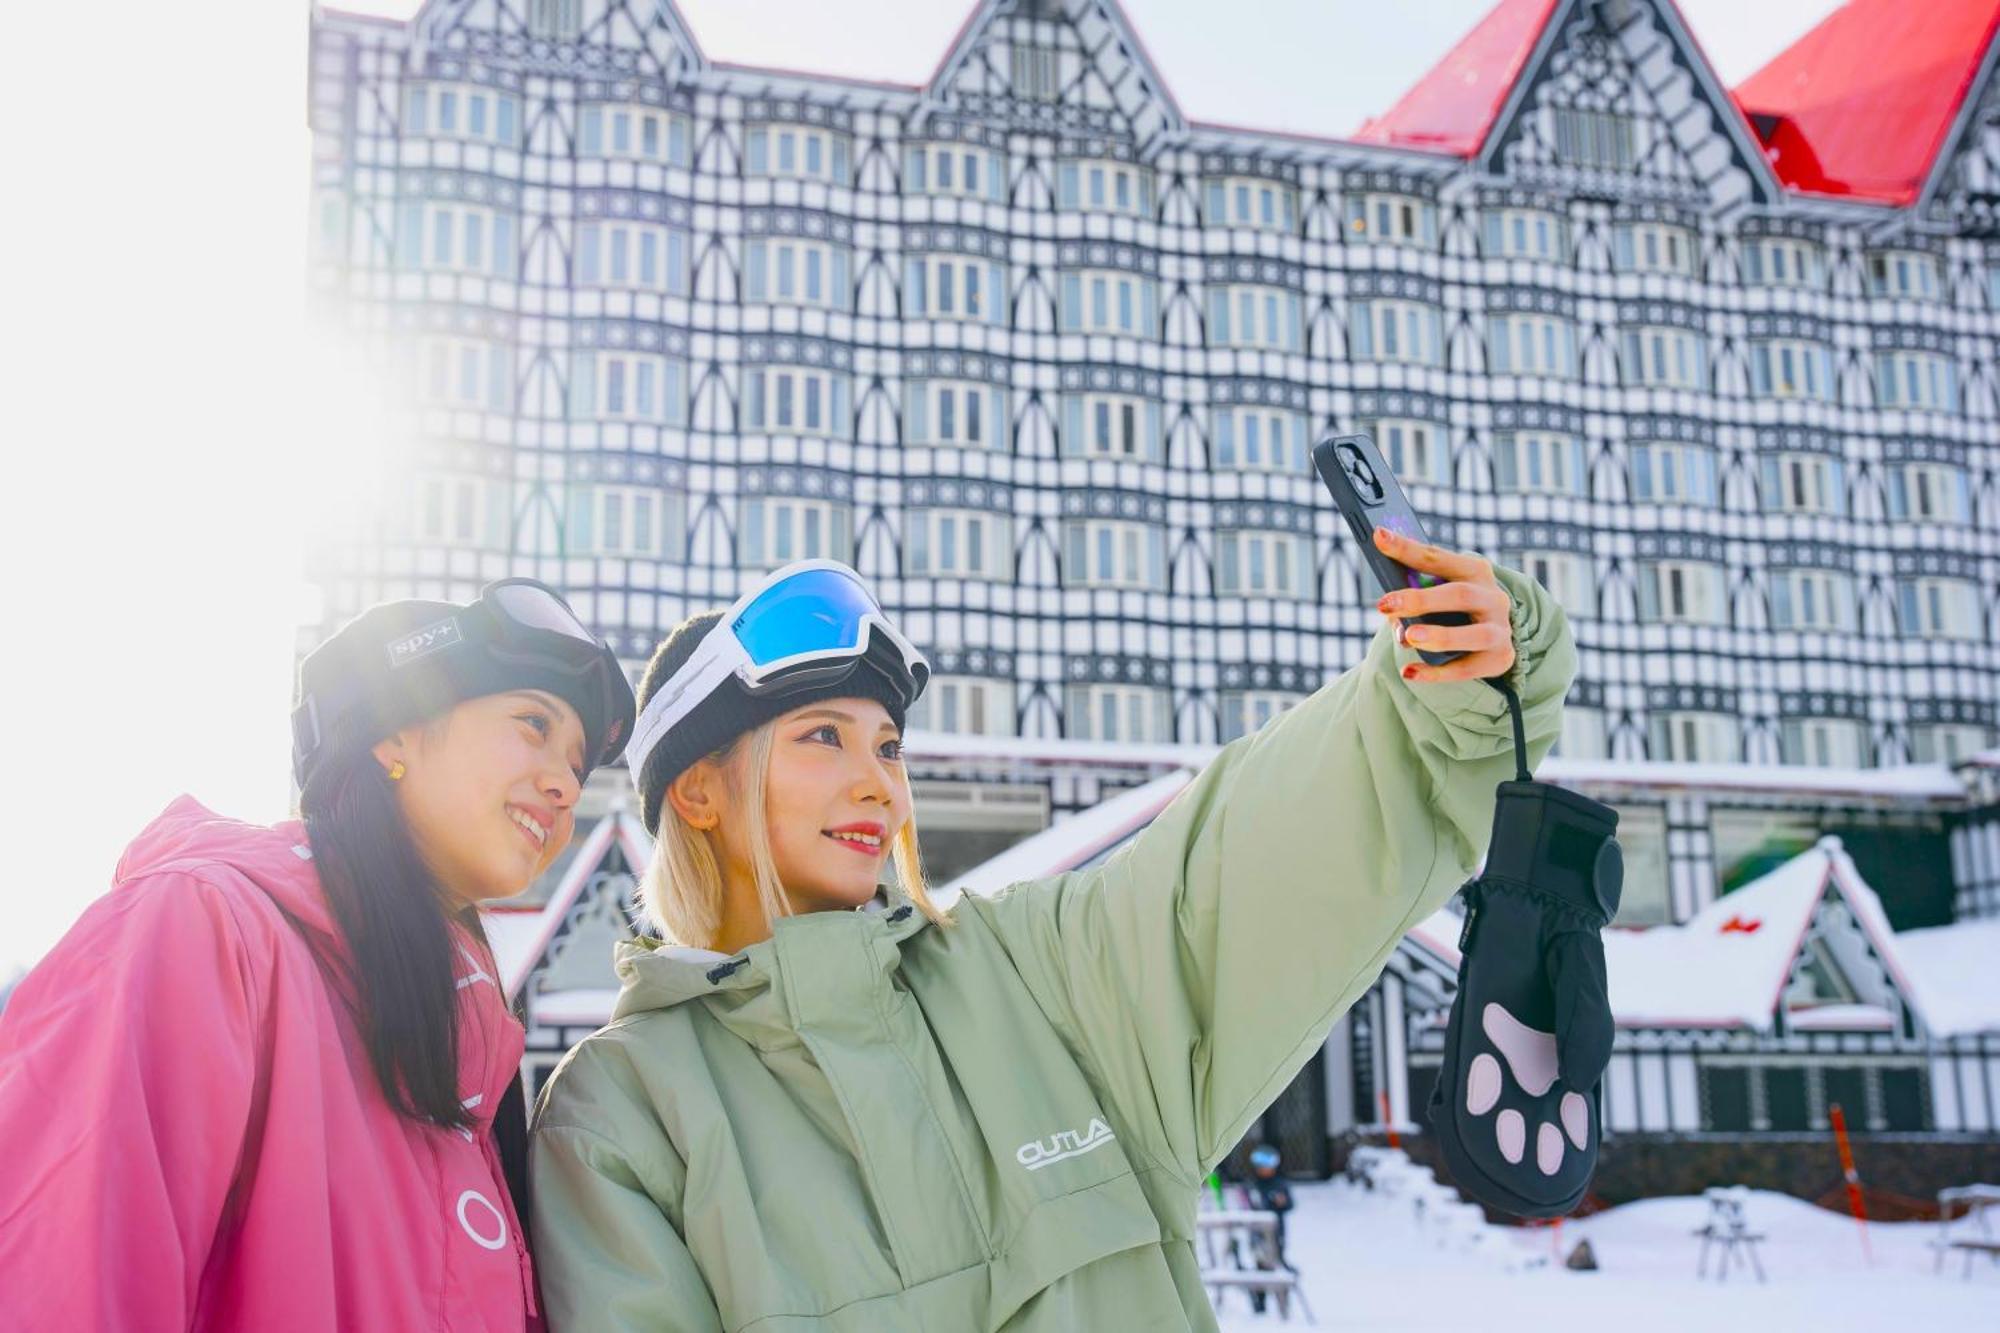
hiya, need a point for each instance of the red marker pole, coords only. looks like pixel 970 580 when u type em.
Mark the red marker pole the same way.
pixel 1853 1177
pixel 1395 1140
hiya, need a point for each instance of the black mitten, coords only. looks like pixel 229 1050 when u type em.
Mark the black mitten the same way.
pixel 1516 1104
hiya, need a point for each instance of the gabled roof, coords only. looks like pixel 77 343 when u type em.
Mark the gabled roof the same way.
pixel 1727 966
pixel 1862 106
pixel 520 937
pixel 1451 108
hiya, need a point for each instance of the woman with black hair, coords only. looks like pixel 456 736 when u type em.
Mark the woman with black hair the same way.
pixel 256 1086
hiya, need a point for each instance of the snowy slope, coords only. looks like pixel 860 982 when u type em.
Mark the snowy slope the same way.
pixel 1365 1266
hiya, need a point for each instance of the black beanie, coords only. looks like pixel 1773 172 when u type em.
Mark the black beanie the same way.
pixel 400 663
pixel 732 710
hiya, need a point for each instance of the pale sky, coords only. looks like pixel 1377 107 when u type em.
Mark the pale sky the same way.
pixel 162 399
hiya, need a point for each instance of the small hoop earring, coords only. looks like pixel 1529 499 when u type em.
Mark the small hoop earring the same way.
pixel 396 771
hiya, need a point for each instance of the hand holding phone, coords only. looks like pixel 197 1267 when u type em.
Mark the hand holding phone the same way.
pixel 1405 563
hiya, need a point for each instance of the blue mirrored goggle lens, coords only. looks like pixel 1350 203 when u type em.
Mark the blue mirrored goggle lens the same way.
pixel 813 611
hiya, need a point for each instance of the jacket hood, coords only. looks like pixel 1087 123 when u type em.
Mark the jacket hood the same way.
pixel 187 836
pixel 276 860
pixel 655 975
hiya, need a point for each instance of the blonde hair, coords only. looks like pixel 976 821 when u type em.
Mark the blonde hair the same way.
pixel 682 890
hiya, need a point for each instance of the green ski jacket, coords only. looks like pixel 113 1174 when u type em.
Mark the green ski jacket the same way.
pixel 868 1122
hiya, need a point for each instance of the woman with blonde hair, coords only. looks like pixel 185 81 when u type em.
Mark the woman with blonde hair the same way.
pixel 996 1116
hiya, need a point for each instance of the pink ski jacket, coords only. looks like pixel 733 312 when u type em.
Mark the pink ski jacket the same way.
pixel 191 1136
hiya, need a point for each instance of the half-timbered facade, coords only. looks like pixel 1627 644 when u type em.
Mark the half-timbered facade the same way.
pixel 1043 356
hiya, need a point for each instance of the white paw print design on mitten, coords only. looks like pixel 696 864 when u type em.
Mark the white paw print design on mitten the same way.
pixel 1531 1058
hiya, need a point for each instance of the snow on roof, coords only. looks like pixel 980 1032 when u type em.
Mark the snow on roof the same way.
pixel 1450 109
pixel 1861 105
pixel 1726 966
pixel 572 1008
pixel 1952 970
pixel 1071 842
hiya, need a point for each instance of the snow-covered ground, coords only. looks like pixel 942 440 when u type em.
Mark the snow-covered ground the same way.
pixel 1365 1265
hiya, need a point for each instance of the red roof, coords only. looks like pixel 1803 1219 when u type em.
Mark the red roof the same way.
pixel 1860 106
pixel 1451 108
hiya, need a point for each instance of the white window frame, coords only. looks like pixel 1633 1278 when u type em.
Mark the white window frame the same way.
pixel 1943 608
pixel 1919 491
pixel 1670 472
pixel 1582 735
pixel 1791 368
pixel 775 530
pixel 634 133
pixel 796 400
pixel 965 706
pixel 1803 483
pixel 1246 711
pixel 1682 592
pixel 1111 425
pixel 1947 742
pixel 1783 261
pixel 555 20
pixel 1386 329
pixel 471 374
pixel 1654 247
pixel 1910 273
pixel 955 287
pixel 1691 737
pixel 1392 219
pixel 1532 345
pixel 1823 742
pixel 1253 314
pixel 626 522
pixel 798 152
pixel 956 544
pixel 1418 452
pixel 1660 356
pixel 632 256
pixel 941 168
pixel 1133 713
pixel 963 413
pixel 1812 599
pixel 1114 553
pixel 1604 140
pixel 468 112
pixel 797 272
pixel 1261 562
pixel 1919 381
pixel 440 237
pixel 1256 437
pixel 1110 300
pixel 463 511
pixel 1565 574
pixel 1527 233
pixel 1250 201
pixel 1539 462
pixel 1101 185
pixel 620 385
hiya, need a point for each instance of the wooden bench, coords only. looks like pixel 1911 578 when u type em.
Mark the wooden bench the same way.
pixel 1964 1207
pixel 1969 1247
pixel 1259 1228
pixel 1278 1283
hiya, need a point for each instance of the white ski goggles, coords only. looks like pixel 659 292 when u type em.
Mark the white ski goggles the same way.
pixel 807 624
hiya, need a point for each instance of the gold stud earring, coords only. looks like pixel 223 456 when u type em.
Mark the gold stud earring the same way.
pixel 396 771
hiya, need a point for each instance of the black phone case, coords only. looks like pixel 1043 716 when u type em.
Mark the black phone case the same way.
pixel 1368 497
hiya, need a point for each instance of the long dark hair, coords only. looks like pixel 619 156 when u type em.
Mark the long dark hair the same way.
pixel 388 905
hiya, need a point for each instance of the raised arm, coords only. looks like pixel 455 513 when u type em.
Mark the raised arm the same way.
pixel 1197 970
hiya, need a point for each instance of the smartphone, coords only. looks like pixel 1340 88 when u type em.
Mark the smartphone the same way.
pixel 1368 498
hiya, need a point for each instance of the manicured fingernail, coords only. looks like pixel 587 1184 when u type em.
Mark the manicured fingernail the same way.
pixel 1384 536
pixel 1387 603
pixel 1410 671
